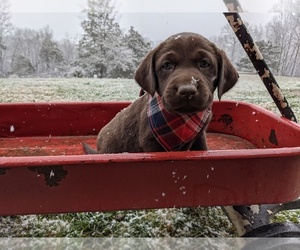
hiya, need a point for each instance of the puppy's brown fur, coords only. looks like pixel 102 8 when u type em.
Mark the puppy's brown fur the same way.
pixel 169 70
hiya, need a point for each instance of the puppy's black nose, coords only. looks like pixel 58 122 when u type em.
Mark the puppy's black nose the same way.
pixel 187 91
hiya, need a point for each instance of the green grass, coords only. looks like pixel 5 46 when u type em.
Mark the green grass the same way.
pixel 183 222
pixel 66 89
pixel 179 222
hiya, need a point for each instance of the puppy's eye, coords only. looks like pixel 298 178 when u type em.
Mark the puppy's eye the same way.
pixel 204 64
pixel 167 66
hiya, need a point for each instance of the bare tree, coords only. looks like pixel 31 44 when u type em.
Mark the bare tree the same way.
pixel 229 43
pixel 5 27
pixel 284 32
pixel 276 33
pixel 68 48
pixel 37 50
pixel 295 67
pixel 25 43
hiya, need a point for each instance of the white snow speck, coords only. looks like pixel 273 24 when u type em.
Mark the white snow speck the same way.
pixel 163 194
pixel 51 174
pixel 177 37
pixel 194 81
pixel 11 128
pixel 212 168
pixel 207 176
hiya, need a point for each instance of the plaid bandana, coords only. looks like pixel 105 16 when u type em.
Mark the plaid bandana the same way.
pixel 172 130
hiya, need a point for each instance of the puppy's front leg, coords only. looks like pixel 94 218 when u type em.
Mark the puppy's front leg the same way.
pixel 200 143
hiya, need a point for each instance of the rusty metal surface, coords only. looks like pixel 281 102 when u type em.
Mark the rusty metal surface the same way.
pixel 257 59
pixel 58 183
pixel 233 5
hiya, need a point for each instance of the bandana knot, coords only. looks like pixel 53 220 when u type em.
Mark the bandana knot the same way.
pixel 173 130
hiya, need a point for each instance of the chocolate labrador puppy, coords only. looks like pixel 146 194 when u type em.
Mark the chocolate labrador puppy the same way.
pixel 179 77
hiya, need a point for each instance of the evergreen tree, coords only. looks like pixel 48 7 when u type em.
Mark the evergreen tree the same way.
pixel 138 44
pixel 120 58
pixel 50 55
pixel 245 65
pixel 101 48
pixel 23 67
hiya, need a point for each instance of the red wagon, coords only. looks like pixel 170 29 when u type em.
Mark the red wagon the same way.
pixel 254 158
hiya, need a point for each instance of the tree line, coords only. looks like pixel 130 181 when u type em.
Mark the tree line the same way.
pixel 104 50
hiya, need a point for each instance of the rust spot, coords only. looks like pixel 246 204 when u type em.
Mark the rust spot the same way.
pixel 3 171
pixel 226 119
pixel 273 137
pixel 53 174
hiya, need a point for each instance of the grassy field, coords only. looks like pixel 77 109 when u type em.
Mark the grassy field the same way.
pixel 183 222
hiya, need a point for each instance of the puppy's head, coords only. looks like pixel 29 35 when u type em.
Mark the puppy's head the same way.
pixel 185 70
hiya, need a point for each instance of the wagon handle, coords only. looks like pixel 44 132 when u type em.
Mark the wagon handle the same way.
pixel 256 58
pixel 245 218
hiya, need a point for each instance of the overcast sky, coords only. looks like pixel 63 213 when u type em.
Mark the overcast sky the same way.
pixel 155 19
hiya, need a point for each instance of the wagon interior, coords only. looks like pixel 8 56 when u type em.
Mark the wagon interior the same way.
pixel 46 129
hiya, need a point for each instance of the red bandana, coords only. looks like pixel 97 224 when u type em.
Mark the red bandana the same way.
pixel 173 130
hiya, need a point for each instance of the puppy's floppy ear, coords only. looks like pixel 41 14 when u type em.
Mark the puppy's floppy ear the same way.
pixel 145 74
pixel 227 75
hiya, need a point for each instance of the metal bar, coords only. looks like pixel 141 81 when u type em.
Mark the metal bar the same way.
pixel 257 59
